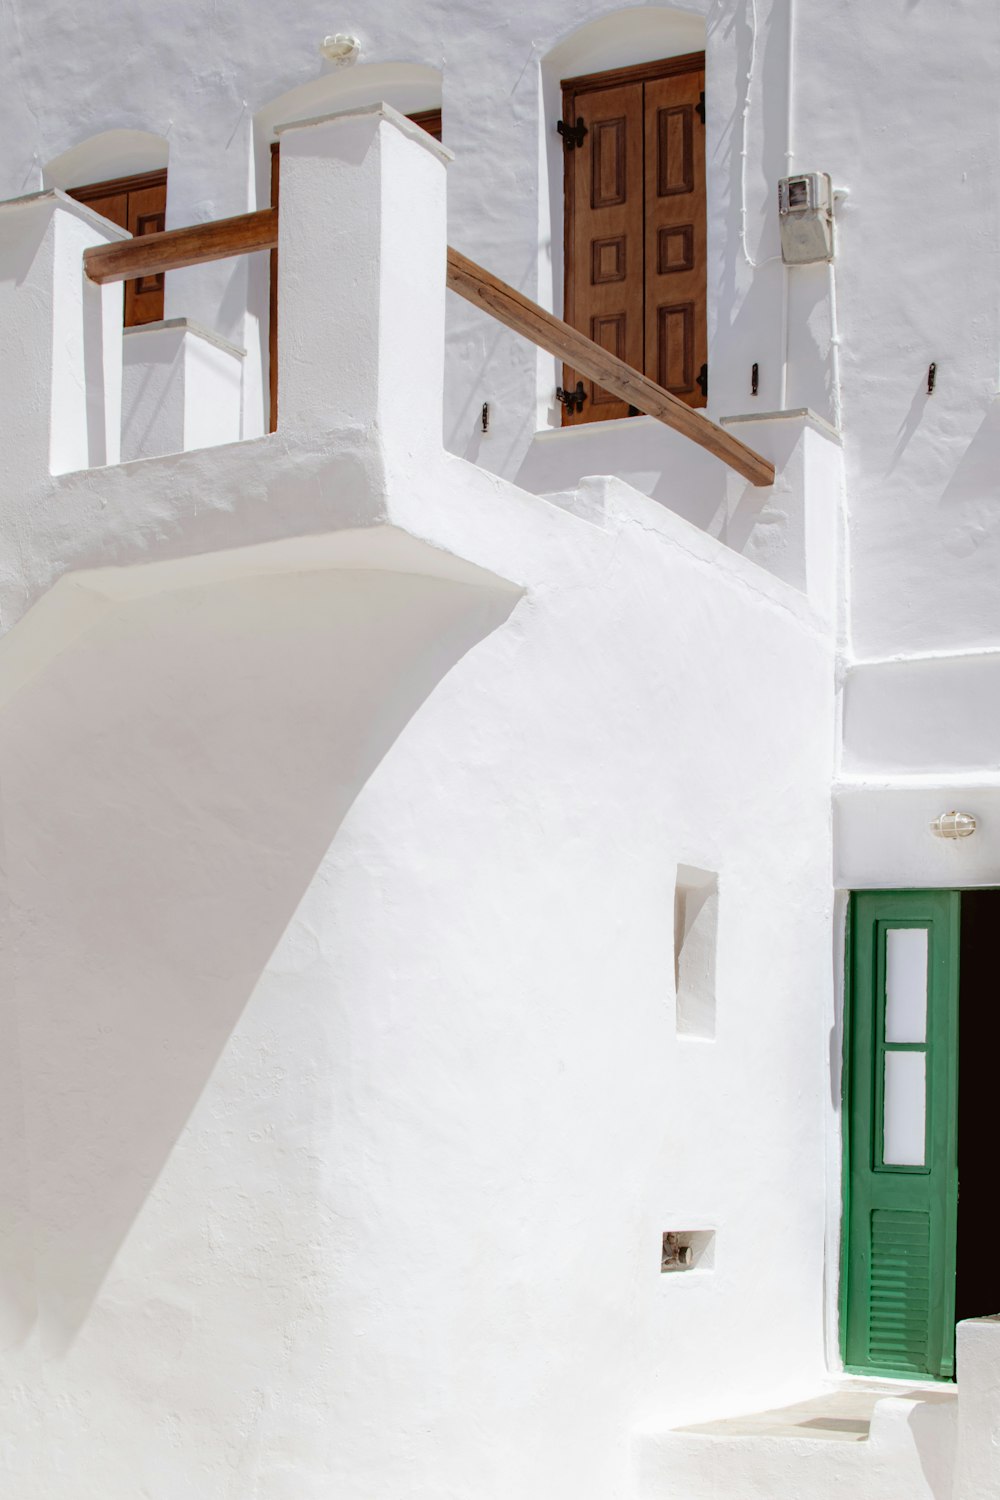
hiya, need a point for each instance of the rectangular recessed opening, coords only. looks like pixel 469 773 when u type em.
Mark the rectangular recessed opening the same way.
pixel 687 1250
pixel 696 922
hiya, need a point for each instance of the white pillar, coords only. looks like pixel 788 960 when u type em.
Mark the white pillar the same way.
pixel 361 281
pixel 978 1370
pixel 60 377
pixel 181 389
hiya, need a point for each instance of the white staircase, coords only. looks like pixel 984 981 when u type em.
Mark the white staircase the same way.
pixel 856 1441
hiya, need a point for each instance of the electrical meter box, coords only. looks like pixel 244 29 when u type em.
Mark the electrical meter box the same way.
pixel 805 217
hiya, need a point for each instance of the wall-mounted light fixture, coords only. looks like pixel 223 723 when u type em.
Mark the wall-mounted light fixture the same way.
pixel 954 825
pixel 341 48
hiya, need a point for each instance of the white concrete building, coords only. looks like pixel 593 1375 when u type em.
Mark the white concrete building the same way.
pixel 436 810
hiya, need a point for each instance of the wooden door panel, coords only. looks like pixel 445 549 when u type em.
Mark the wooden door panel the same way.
pixel 138 204
pixel 147 214
pixel 604 284
pixel 676 351
pixel 674 146
pixel 113 207
pixel 676 282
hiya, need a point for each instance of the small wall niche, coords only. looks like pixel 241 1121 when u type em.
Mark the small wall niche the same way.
pixel 687 1250
pixel 696 924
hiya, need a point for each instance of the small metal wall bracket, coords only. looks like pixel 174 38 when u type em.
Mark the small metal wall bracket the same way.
pixel 485 417
pixel 572 134
pixel 931 378
pixel 572 400
pixel 701 379
pixel 754 379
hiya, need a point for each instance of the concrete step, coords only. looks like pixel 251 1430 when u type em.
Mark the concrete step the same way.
pixel 864 1441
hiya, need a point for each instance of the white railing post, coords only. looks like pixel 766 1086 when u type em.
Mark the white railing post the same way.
pixel 977 1474
pixel 362 259
pixel 60 376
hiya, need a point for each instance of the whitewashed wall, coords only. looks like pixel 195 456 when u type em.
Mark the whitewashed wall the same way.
pixel 655 700
pixel 353 1104
pixel 344 789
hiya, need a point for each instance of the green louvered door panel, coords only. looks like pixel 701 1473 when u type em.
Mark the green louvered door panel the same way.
pixel 901 1164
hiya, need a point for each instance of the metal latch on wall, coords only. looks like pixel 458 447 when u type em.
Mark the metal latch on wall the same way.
pixel 701 380
pixel 572 400
pixel 572 134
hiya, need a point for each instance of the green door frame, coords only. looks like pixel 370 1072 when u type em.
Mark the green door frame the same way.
pixel 898 1240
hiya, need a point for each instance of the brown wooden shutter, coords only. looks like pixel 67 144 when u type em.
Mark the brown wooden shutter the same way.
pixel 676 232
pixel 604 212
pixel 636 264
pixel 138 204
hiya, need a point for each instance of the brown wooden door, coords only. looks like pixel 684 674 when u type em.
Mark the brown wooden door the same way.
pixel 429 120
pixel 636 265
pixel 138 204
pixel 147 214
pixel 604 282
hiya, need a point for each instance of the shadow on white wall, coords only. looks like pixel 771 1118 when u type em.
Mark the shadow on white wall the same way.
pixel 171 784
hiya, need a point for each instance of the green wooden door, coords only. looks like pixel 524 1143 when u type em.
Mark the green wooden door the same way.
pixel 900 1114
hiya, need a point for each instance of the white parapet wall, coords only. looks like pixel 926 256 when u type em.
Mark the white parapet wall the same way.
pixel 60 376
pixel 977 1475
pixel 181 389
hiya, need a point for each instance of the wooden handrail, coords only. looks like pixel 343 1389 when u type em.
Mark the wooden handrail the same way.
pixel 613 374
pixel 173 249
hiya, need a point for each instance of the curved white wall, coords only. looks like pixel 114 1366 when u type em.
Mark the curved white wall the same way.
pixel 113 153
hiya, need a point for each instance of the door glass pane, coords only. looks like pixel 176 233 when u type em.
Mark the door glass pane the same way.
pixel 903 1126
pixel 906 984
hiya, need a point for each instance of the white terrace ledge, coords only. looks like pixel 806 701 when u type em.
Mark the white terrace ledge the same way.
pixel 363 195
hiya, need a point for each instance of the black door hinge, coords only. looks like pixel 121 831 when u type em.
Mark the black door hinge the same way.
pixel 572 400
pixel 699 108
pixel 701 379
pixel 572 134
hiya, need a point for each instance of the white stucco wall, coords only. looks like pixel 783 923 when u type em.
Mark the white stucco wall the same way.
pixel 344 790
pixel 497 1120
pixel 393 1114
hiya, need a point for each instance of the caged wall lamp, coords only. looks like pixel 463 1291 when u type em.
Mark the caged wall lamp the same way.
pixel 954 825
